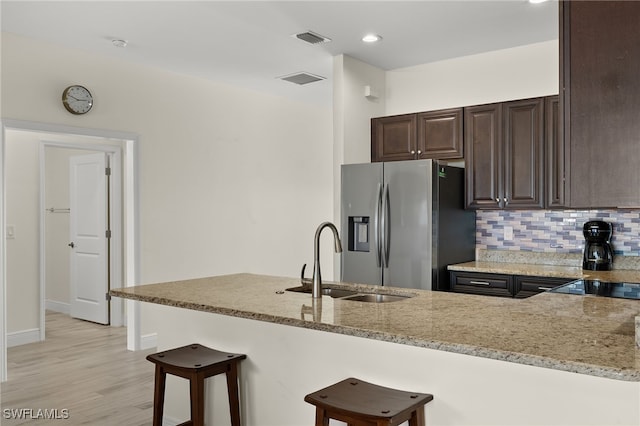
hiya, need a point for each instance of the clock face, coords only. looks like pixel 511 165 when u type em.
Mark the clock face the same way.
pixel 77 99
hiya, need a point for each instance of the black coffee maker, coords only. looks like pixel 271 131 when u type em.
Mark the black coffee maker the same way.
pixel 598 254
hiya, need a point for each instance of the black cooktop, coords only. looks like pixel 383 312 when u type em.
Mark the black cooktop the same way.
pixel 600 288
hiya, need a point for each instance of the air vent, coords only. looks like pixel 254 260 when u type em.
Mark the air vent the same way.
pixel 311 37
pixel 301 78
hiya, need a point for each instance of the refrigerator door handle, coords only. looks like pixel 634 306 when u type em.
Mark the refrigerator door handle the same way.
pixel 385 227
pixel 377 226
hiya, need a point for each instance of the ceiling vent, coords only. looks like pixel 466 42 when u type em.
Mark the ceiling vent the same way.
pixel 311 37
pixel 301 78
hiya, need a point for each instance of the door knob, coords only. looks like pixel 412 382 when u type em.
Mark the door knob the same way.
pixel 71 244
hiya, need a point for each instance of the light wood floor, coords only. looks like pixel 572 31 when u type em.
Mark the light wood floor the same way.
pixel 84 368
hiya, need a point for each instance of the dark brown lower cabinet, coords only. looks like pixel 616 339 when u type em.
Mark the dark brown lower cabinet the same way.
pixel 488 284
pixel 525 286
pixel 518 286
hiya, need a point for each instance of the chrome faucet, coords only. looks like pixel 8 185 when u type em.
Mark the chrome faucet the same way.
pixel 316 281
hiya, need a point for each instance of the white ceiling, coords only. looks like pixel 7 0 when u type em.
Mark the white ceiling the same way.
pixel 250 43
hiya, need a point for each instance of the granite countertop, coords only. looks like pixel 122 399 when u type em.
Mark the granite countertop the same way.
pixel 557 265
pixel 558 271
pixel 587 335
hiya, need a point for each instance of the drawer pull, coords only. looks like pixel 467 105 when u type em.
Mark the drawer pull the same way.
pixel 479 282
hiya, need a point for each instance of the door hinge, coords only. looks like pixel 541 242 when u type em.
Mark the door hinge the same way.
pixel 107 233
pixel 107 171
pixel 108 297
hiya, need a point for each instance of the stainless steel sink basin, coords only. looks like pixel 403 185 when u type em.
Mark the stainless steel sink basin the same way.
pixel 326 291
pixel 350 295
pixel 376 298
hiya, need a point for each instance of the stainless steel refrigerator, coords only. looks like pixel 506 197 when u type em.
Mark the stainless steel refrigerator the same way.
pixel 403 223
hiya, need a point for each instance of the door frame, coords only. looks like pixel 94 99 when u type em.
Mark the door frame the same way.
pixel 131 220
pixel 114 153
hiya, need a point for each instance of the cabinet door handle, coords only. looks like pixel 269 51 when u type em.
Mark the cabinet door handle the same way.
pixel 419 152
pixel 413 152
pixel 506 201
pixel 479 282
pixel 498 200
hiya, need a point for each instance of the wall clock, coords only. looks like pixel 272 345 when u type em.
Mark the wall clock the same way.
pixel 77 99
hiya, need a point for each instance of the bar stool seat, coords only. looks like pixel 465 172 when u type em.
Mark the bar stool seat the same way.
pixel 196 362
pixel 359 403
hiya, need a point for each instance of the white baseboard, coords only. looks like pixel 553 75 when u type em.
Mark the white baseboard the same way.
pixel 52 305
pixel 23 337
pixel 149 341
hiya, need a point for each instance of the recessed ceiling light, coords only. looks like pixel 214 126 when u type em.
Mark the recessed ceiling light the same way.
pixel 371 38
pixel 119 43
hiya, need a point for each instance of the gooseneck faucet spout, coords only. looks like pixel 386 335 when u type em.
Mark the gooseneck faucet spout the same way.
pixel 316 289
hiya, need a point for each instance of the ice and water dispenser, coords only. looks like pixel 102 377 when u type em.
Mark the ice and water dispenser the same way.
pixel 358 238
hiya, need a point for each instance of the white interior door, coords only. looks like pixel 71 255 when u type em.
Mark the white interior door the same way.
pixel 89 243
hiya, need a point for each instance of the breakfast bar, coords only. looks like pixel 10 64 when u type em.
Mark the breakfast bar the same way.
pixel 550 359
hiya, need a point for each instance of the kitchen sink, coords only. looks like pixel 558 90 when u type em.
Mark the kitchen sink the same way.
pixel 326 291
pixel 355 296
pixel 376 298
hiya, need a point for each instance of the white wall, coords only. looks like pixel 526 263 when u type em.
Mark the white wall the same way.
pixel 22 213
pixel 230 180
pixel 352 110
pixel 516 73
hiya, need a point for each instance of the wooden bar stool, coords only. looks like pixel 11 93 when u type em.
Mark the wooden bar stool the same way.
pixel 359 403
pixel 195 363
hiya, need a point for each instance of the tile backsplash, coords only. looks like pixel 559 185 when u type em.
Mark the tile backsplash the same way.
pixel 554 231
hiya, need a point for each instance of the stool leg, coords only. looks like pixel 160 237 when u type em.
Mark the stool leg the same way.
pixel 196 382
pixel 232 390
pixel 417 417
pixel 158 395
pixel 321 417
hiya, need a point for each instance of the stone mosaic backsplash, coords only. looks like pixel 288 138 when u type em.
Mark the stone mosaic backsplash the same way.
pixel 554 231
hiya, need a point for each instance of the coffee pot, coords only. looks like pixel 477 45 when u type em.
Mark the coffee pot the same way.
pixel 598 253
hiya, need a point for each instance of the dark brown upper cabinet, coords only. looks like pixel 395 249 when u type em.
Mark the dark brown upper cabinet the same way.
pixel 600 80
pixel 431 134
pixel 393 138
pixel 504 158
pixel 554 154
pixel 524 149
pixel 483 159
pixel 440 134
